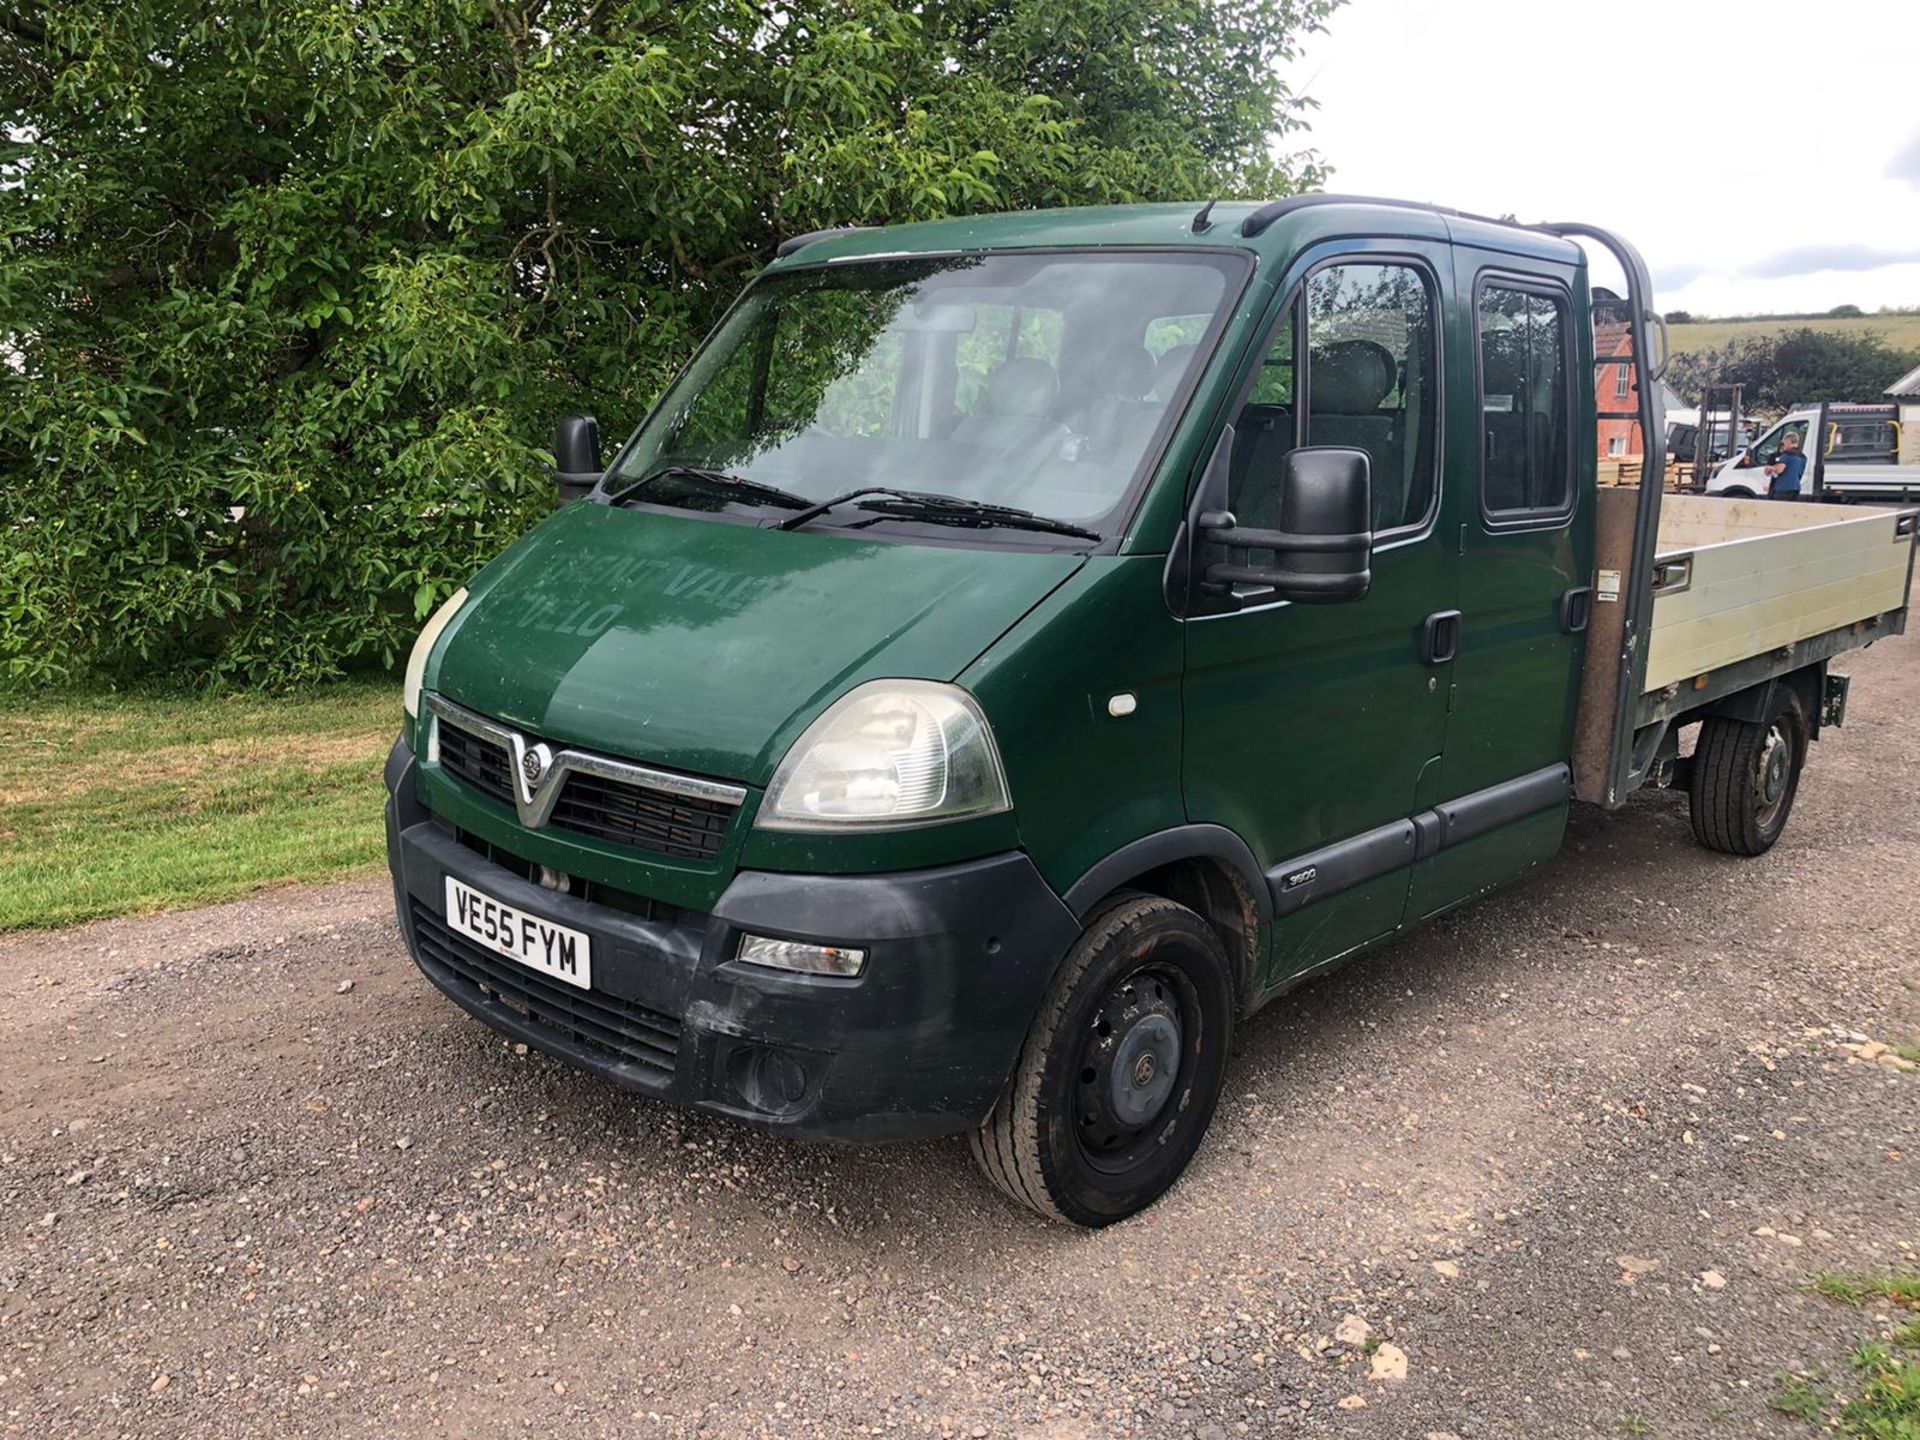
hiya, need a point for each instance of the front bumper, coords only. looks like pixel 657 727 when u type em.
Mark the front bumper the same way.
pixel 920 1043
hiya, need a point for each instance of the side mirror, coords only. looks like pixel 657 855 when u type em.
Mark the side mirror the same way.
pixel 1747 462
pixel 576 456
pixel 1323 548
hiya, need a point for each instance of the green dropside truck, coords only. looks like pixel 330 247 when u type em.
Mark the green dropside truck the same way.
pixel 1018 648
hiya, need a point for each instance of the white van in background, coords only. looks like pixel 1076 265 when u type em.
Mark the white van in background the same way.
pixel 1853 453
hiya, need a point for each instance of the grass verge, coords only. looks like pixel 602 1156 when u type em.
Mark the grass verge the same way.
pixel 118 805
pixel 1881 1398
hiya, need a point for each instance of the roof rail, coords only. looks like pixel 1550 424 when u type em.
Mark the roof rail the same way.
pixel 1276 209
pixel 800 242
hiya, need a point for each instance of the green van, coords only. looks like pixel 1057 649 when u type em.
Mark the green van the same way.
pixel 1018 648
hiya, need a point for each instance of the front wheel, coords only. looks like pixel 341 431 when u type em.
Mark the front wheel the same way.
pixel 1745 777
pixel 1121 1071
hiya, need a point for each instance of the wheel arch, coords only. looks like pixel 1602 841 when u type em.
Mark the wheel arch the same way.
pixel 1207 868
pixel 1757 703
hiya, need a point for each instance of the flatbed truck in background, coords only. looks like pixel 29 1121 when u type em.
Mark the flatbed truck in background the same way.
pixel 1019 648
pixel 1853 454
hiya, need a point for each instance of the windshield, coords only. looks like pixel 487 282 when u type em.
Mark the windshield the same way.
pixel 1037 381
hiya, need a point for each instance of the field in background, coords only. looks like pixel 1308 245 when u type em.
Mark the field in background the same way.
pixel 1901 332
pixel 115 805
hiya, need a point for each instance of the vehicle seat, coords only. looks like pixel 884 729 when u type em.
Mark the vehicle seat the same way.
pixel 1169 371
pixel 1016 410
pixel 1508 467
pixel 1120 420
pixel 1348 380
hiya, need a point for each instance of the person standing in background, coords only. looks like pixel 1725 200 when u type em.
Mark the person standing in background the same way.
pixel 1785 472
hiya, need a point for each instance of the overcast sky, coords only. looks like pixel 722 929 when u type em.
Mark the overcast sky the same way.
pixel 1764 156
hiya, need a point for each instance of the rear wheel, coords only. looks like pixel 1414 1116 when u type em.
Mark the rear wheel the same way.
pixel 1121 1071
pixel 1745 777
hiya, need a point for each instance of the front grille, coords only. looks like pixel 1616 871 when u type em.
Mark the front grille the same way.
pixel 481 763
pixel 673 825
pixel 627 815
pixel 590 1019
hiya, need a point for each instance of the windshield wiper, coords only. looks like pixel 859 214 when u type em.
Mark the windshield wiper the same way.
pixel 718 480
pixel 941 510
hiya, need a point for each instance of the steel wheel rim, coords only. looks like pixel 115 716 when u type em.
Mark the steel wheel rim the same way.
pixel 1773 775
pixel 1138 1050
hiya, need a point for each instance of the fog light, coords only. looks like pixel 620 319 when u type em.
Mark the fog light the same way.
pixel 800 957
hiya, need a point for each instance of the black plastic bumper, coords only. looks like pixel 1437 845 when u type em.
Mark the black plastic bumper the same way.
pixel 920 1043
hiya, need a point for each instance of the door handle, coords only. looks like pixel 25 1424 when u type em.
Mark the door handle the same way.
pixel 1440 637
pixel 1576 610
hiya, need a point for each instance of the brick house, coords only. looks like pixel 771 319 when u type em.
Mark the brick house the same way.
pixel 1614 389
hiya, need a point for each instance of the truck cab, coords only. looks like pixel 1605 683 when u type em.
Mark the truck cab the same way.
pixel 1018 648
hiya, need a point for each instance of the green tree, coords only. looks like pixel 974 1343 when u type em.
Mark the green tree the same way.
pixel 291 291
pixel 1796 366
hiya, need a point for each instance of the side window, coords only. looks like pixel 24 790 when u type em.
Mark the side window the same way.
pixel 1856 439
pixel 1768 450
pixel 1164 333
pixel 1526 412
pixel 1001 333
pixel 1264 431
pixel 1274 384
pixel 1371 383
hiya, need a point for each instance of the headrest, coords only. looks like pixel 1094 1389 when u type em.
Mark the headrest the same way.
pixel 1351 377
pixel 1026 386
pixel 1172 366
pixel 1130 373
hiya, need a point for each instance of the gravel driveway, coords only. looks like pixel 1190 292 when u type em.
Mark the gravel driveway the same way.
pixel 1568 1154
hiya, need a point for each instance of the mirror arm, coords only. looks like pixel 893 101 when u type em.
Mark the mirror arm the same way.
pixel 1240 539
pixel 1294 582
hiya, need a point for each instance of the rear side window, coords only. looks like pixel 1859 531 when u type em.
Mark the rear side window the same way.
pixel 1526 404
pixel 1852 439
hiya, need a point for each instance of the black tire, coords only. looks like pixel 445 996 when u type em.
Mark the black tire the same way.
pixel 1093 1128
pixel 1745 778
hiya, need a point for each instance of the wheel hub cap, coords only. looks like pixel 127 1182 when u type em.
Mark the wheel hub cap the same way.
pixel 1775 771
pixel 1142 1065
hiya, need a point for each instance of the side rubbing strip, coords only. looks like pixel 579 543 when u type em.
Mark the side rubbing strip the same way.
pixel 1339 867
pixel 1497 805
pixel 1333 868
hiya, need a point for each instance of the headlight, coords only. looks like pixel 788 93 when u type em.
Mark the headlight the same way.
pixel 423 647
pixel 889 753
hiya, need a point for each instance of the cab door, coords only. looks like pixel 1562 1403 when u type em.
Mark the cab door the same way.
pixel 1524 528
pixel 1311 728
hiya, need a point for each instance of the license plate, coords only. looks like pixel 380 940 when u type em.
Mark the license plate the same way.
pixel 555 950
